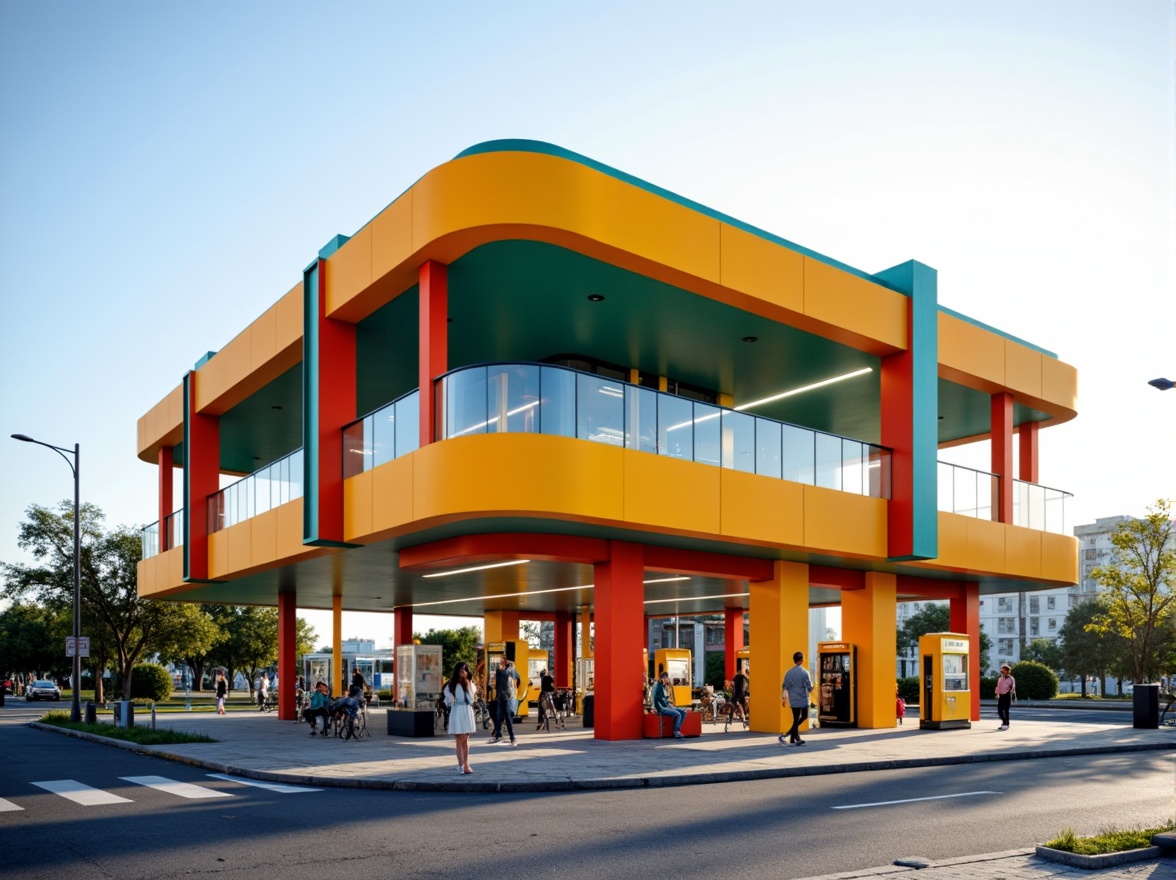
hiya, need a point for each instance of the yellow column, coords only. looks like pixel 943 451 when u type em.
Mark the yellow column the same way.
pixel 868 620
pixel 337 670
pixel 778 617
pixel 499 626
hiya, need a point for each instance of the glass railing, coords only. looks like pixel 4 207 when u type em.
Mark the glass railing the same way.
pixel 389 432
pixel 966 491
pixel 174 529
pixel 149 537
pixel 547 399
pixel 262 490
pixel 1039 507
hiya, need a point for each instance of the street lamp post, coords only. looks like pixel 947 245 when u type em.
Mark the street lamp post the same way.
pixel 75 712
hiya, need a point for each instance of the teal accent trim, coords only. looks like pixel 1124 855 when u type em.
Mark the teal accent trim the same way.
pixel 992 329
pixel 205 359
pixel 187 481
pixel 920 282
pixel 317 542
pixel 333 245
pixel 310 404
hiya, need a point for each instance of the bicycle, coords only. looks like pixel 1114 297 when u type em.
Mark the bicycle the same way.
pixel 548 711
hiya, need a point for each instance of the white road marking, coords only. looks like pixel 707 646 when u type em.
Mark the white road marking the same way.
pixel 269 786
pixel 915 800
pixel 8 806
pixel 75 791
pixel 179 789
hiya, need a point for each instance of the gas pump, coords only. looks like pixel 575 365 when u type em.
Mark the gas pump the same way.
pixel 837 704
pixel 675 661
pixel 945 699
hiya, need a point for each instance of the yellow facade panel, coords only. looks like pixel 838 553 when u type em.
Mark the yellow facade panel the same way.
pixel 357 506
pixel 986 545
pixel 162 574
pixel 953 540
pixel 263 539
pixel 217 376
pixel 670 494
pixel 288 531
pixel 760 268
pixel 288 318
pixel 162 425
pixel 1059 384
pixel 392 494
pixel 240 545
pixel 837 522
pixel 1023 552
pixel 218 555
pixel 392 240
pixel 349 269
pixel 1022 369
pixel 263 338
pixel 1059 558
pixel 854 305
pixel 966 350
pixel 761 509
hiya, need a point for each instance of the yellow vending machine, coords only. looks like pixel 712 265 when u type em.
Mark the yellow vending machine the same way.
pixel 945 698
pixel 743 661
pixel 675 661
pixel 517 651
pixel 837 684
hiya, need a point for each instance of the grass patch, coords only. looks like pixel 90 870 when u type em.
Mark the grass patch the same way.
pixel 143 736
pixel 1110 840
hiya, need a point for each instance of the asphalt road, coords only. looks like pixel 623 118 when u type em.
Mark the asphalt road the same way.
pixel 784 828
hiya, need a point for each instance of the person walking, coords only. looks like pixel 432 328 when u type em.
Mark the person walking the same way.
pixel 739 692
pixel 796 689
pixel 262 691
pixel 1006 689
pixel 460 694
pixel 222 691
pixel 505 681
pixel 546 686
pixel 663 703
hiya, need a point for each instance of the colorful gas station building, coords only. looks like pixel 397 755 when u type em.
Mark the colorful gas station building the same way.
pixel 535 387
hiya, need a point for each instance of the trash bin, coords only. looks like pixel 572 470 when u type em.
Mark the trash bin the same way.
pixel 124 713
pixel 91 716
pixel 1146 703
pixel 588 710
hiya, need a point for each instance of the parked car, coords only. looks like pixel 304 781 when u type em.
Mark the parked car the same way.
pixel 42 690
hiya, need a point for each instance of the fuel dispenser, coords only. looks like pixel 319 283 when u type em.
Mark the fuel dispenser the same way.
pixel 837 704
pixel 945 699
pixel 676 661
pixel 517 651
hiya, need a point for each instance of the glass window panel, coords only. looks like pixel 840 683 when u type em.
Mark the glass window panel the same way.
pixel 465 402
pixel 675 426
pixel 828 452
pixel 353 448
pixel 767 448
pixel 408 423
pixel 261 491
pixel 965 491
pixel 296 475
pixel 641 424
pixel 853 466
pixel 557 405
pixel 798 445
pixel 708 434
pixel 513 398
pixel 879 473
pixel 383 437
pixel 945 483
pixel 739 450
pixel 600 410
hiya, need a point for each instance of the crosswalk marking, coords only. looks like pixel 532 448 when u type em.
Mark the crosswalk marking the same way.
pixel 8 806
pixel 179 789
pixel 75 791
pixel 269 786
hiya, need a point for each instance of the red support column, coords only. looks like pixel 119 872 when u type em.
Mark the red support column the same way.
pixel 732 638
pixel 1002 456
pixel 620 595
pixel 965 618
pixel 402 627
pixel 562 653
pixel 1027 465
pixel 167 461
pixel 201 480
pixel 287 654
pixel 434 340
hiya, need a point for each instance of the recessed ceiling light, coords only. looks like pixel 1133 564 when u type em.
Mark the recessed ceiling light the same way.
pixel 595 297
pixel 276 407
pixel 751 339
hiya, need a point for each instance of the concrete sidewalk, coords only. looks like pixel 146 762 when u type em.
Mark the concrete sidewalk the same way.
pixel 1018 864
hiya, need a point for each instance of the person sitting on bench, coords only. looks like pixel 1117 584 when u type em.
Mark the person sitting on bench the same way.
pixel 663 703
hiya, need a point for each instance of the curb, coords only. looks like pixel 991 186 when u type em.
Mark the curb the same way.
pixel 1104 860
pixel 557 785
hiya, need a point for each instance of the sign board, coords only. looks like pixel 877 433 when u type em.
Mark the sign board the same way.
pixel 83 646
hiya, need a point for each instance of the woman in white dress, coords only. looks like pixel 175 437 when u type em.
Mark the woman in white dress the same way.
pixel 460 694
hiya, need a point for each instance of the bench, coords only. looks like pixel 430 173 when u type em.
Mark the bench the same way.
pixel 656 726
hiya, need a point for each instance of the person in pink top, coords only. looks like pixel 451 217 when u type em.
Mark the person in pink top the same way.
pixel 1006 689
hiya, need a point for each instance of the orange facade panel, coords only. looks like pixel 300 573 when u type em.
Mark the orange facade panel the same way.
pixel 848 525
pixel 670 494
pixel 759 509
pixel 971 355
pixel 855 309
pixel 1022 369
pixel 163 425
pixel 762 269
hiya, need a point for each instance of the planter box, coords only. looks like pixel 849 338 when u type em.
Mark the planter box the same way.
pixel 1105 860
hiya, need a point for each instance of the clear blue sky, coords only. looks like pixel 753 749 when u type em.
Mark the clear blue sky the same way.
pixel 166 170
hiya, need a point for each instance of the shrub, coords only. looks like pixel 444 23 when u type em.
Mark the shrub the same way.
pixel 908 689
pixel 1035 681
pixel 150 681
pixel 716 669
pixel 988 687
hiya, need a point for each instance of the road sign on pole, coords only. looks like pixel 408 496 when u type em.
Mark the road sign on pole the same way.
pixel 83 646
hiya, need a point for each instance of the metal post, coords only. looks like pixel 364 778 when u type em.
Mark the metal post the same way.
pixel 75 712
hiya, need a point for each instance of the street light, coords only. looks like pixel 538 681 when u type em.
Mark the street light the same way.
pixel 1162 384
pixel 75 712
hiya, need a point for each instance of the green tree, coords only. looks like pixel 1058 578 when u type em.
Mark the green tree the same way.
pixel 456 645
pixel 1084 651
pixel 32 639
pixel 1137 589
pixel 187 637
pixel 1047 652
pixel 122 625
pixel 250 643
pixel 934 617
